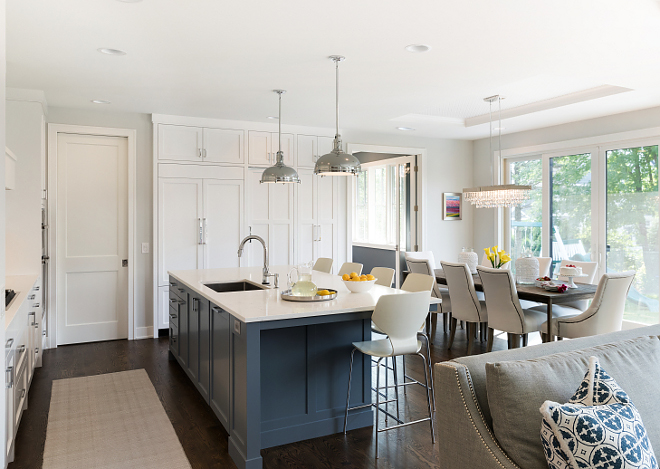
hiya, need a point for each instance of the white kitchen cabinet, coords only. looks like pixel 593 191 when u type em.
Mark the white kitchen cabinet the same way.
pixel 223 145
pixel 317 204
pixel 200 220
pixel 200 144
pixel 263 147
pixel 311 148
pixel 179 142
pixel 270 215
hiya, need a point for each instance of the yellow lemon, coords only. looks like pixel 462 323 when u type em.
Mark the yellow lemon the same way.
pixel 345 277
pixel 323 292
pixel 354 274
pixel 370 277
pixel 363 276
pixel 355 279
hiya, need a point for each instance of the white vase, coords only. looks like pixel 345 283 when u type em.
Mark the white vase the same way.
pixel 469 257
pixel 527 270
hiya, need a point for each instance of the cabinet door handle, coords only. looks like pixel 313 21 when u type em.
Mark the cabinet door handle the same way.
pixel 9 343
pixel 173 284
pixel 22 393
pixel 9 377
pixel 195 304
pixel 216 309
pixel 199 152
pixel 172 300
pixel 173 316
pixel 206 231
pixel 201 231
pixel 203 152
pixel 36 350
pixel 34 315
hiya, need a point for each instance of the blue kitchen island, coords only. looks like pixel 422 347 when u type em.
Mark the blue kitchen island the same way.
pixel 273 371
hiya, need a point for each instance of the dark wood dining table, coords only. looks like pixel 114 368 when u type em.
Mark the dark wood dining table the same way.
pixel 534 293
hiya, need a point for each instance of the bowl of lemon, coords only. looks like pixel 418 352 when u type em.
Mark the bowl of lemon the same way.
pixel 358 283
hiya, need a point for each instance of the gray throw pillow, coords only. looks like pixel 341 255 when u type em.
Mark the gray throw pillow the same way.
pixel 516 390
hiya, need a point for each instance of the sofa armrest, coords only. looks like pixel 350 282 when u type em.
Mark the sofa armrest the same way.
pixel 464 438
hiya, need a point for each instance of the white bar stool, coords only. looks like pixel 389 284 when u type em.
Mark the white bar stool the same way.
pixel 400 317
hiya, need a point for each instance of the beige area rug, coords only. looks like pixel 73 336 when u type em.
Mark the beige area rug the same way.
pixel 110 421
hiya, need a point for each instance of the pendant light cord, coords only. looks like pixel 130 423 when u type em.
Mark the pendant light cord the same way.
pixel 337 96
pixel 499 144
pixel 279 125
pixel 490 141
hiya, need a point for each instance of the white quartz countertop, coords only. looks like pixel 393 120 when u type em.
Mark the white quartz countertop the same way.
pixel 267 305
pixel 22 285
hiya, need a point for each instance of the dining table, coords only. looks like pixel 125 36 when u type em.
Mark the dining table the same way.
pixel 537 294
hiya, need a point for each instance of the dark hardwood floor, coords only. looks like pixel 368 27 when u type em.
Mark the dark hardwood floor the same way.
pixel 201 434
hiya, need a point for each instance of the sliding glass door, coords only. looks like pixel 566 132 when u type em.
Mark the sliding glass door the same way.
pixel 570 208
pixel 631 231
pixel 598 204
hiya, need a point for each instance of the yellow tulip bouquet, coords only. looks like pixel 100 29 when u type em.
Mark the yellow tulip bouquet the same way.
pixel 497 258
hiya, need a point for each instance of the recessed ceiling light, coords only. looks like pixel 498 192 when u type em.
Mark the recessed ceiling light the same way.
pixel 100 101
pixel 404 128
pixel 418 48
pixel 105 50
pixel 273 117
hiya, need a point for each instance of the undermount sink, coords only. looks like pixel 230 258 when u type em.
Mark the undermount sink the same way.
pixel 234 286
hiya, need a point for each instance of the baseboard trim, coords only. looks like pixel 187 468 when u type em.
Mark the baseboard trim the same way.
pixel 144 333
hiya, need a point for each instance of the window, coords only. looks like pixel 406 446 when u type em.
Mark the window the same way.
pixel 376 205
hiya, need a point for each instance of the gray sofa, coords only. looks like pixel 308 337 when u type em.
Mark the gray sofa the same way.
pixel 487 405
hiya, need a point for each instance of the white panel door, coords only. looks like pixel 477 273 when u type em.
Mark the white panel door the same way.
pixel 257 195
pixel 259 148
pixel 223 219
pixel 307 151
pixel 179 221
pixel 280 204
pixel 179 142
pixel 92 238
pixel 281 244
pixel 287 148
pixel 306 204
pixel 223 145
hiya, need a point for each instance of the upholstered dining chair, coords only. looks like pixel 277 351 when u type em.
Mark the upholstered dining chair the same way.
pixel 348 267
pixel 384 276
pixel 465 303
pixel 605 313
pixel 423 262
pixel 323 264
pixel 544 266
pixel 576 307
pixel 504 310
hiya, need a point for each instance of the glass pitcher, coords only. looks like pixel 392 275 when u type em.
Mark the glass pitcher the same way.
pixel 303 285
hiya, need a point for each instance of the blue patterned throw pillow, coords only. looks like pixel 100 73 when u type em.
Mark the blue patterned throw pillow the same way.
pixel 599 428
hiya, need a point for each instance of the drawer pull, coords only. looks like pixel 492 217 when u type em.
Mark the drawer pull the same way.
pixel 9 343
pixel 36 350
pixel 36 305
pixel 9 377
pixel 172 300
pixel 173 316
pixel 44 333
pixel 181 290
pixel 22 393
pixel 37 288
pixel 173 284
pixel 21 349
pixel 34 315
pixel 32 297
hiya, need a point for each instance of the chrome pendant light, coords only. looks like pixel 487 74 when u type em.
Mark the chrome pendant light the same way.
pixel 337 163
pixel 280 172
pixel 501 195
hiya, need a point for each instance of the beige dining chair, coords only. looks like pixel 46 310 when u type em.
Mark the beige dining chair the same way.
pixel 323 264
pixel 576 307
pixel 504 310
pixel 349 267
pixel 384 276
pixel 605 313
pixel 465 303
pixel 423 262
pixel 544 266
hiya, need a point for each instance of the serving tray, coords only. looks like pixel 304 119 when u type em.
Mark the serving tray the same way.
pixel 286 295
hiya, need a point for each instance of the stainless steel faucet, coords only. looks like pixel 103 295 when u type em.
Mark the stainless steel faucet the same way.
pixel 266 272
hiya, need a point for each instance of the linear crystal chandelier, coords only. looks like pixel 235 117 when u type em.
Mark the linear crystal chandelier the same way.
pixel 502 195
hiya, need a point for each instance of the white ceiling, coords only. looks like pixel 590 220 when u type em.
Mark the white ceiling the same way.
pixel 221 59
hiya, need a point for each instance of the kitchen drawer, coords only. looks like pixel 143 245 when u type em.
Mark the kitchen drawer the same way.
pixel 177 289
pixel 20 392
pixel 174 339
pixel 174 314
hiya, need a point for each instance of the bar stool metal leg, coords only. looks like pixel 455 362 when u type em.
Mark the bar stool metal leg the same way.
pixel 378 402
pixel 428 397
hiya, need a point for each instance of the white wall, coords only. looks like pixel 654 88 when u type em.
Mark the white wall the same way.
pixel 3 224
pixel 448 169
pixel 484 220
pixel 24 136
pixel 142 124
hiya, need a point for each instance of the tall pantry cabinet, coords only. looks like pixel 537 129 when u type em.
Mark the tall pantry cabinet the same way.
pixel 207 198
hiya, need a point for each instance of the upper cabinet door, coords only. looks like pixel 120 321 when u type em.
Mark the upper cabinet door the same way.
pixel 179 142
pixel 287 148
pixel 223 145
pixel 325 145
pixel 307 151
pixel 259 148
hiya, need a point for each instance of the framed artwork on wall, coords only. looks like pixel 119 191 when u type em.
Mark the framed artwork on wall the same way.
pixel 452 206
